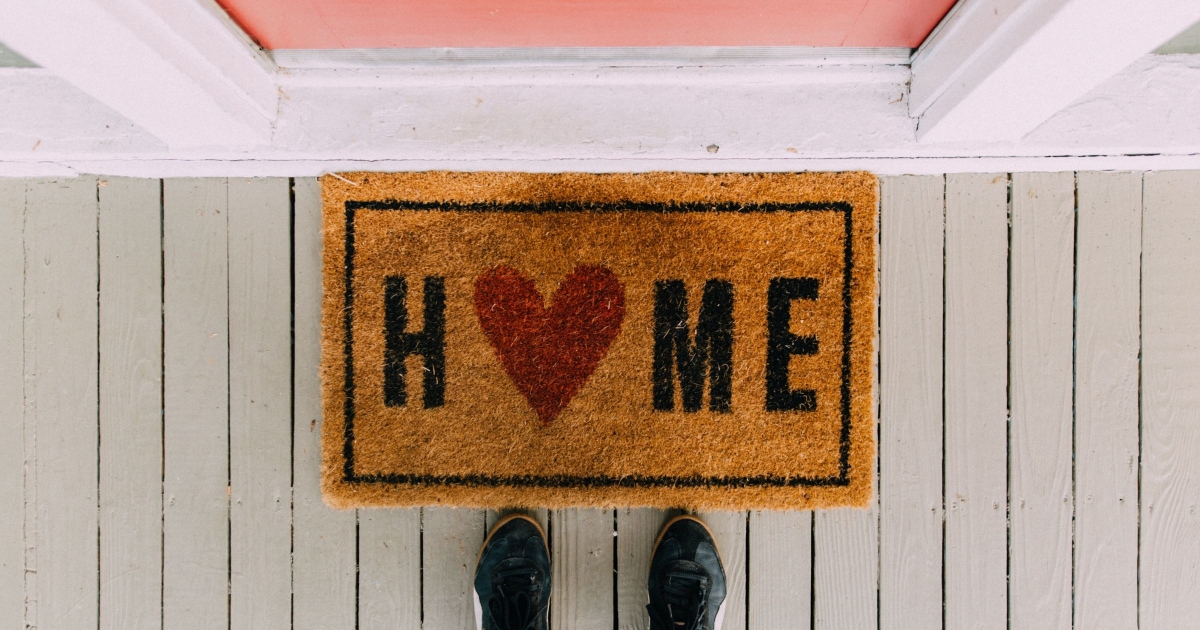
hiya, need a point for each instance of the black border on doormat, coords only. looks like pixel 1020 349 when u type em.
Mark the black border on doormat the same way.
pixel 577 481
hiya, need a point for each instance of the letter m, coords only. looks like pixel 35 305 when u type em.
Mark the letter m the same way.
pixel 711 355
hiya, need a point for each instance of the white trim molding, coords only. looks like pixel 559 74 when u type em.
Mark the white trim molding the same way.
pixel 587 57
pixel 995 70
pixel 606 119
pixel 179 69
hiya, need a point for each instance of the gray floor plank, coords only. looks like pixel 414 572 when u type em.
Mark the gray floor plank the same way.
pixel 323 569
pixel 260 418
pixel 1042 325
pixel 130 404
pixel 12 403
pixel 1170 534
pixel 729 529
pixel 196 411
pixel 912 225
pixel 846 569
pixel 451 540
pixel 29 465
pixel 62 371
pixel 1109 249
pixel 637 529
pixel 582 553
pixel 389 555
pixel 780 578
pixel 976 348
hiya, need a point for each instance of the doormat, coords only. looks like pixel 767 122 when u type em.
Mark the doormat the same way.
pixel 660 339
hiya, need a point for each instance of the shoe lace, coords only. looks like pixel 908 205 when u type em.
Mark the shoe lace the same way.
pixel 685 602
pixel 515 602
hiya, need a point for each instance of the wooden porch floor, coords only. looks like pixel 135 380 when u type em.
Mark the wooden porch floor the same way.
pixel 1039 436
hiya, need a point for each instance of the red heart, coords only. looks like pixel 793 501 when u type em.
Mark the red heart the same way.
pixel 550 353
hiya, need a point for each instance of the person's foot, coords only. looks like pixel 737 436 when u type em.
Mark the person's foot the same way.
pixel 687 580
pixel 512 577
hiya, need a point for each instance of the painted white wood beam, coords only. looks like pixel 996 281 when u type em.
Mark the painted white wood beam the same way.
pixel 996 69
pixel 178 68
pixel 605 119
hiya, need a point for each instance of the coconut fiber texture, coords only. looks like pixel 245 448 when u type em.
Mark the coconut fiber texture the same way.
pixel 660 339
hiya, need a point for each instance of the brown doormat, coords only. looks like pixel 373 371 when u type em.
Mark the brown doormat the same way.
pixel 660 339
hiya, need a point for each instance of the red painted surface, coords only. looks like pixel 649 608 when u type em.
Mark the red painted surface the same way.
pixel 535 23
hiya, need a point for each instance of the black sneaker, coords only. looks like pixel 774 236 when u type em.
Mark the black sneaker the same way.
pixel 687 580
pixel 512 577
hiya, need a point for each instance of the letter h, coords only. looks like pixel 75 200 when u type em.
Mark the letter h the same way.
pixel 429 343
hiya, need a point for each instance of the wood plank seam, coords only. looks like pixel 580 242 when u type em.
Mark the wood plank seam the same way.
pixel 291 241
pixel 1008 388
pixel 945 512
pixel 745 551
pixel 1141 303
pixel 745 612
pixel 1074 390
pixel 1074 384
pixel 616 556
pixel 228 431
pixel 99 513
pixel 162 396
pixel 358 565
pixel 812 572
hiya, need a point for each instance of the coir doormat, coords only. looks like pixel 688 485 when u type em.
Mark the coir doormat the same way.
pixel 662 339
